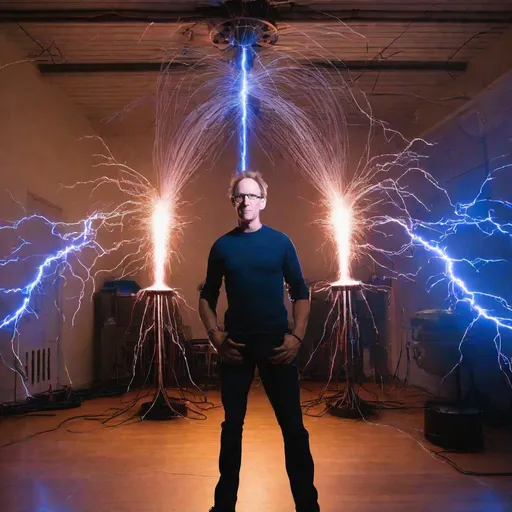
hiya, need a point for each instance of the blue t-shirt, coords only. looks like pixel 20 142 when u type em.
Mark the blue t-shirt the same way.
pixel 255 267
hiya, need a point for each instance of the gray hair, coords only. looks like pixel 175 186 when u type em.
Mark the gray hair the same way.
pixel 253 175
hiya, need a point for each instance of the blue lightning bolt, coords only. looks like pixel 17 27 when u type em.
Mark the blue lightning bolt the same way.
pixel 12 258
pixel 459 291
pixel 244 91
pixel 76 243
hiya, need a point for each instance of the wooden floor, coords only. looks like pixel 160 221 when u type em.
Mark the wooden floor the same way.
pixel 172 466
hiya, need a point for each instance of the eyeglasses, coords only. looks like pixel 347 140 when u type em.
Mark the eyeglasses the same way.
pixel 240 197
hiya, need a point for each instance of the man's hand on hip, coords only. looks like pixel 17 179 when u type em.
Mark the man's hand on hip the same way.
pixel 287 352
pixel 227 348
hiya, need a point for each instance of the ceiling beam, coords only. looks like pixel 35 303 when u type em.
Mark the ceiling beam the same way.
pixel 140 67
pixel 391 65
pixel 108 67
pixel 287 14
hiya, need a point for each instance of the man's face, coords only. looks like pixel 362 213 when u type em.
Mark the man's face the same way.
pixel 247 200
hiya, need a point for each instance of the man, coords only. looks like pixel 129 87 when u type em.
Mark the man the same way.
pixel 254 261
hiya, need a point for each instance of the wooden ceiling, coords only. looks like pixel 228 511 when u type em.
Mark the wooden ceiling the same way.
pixel 417 5
pixel 403 54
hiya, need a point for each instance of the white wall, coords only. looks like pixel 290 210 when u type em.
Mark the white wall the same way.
pixel 40 149
pixel 466 148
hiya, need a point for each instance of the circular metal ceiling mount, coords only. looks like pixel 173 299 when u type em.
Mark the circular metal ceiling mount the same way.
pixel 243 31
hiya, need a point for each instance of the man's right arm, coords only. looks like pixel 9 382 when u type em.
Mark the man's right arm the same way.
pixel 210 295
pixel 228 349
pixel 210 322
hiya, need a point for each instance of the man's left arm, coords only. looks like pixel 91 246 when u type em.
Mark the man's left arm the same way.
pixel 298 292
pixel 300 312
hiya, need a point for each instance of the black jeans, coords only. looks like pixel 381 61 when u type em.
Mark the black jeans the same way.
pixel 281 385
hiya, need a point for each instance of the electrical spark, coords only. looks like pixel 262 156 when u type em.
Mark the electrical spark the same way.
pixel 244 91
pixel 342 225
pixel 161 227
